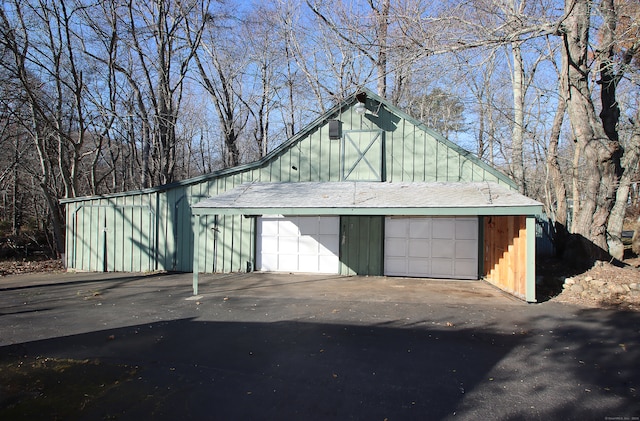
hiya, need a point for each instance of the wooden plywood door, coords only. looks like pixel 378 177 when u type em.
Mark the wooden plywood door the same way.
pixel 505 253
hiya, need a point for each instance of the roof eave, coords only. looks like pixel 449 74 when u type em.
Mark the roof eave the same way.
pixel 532 210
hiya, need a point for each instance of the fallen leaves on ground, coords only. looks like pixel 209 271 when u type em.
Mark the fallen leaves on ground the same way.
pixel 15 267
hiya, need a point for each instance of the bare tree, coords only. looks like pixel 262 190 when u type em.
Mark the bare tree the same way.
pixel 156 71
pixel 268 73
pixel 57 120
pixel 439 109
pixel 221 68
pixel 366 32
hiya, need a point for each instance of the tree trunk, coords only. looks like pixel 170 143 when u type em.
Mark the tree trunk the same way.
pixel 602 156
pixel 610 116
pixel 559 189
pixel 382 18
pixel 15 222
pixel 481 146
pixel 517 139
pixel 616 219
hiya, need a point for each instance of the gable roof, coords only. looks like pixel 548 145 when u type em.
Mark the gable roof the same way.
pixel 304 132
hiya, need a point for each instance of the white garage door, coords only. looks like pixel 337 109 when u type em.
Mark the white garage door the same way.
pixel 432 247
pixel 298 244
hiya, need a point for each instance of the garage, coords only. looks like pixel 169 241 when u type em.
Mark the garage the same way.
pixel 454 230
pixel 298 244
pixel 434 247
pixel 363 162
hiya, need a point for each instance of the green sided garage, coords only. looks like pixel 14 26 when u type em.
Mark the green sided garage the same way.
pixel 365 189
pixel 417 229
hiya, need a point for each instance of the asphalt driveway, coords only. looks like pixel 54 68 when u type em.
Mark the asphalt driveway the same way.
pixel 289 347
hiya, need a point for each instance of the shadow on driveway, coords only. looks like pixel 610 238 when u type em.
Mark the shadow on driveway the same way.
pixel 188 369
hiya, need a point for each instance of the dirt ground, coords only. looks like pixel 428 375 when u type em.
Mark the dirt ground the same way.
pixel 15 267
pixel 551 274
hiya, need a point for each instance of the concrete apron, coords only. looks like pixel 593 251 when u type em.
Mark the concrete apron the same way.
pixel 352 288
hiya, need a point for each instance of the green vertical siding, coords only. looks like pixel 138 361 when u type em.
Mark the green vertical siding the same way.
pixel 419 156
pixel 361 245
pixel 232 243
pixel 324 158
pixel 115 234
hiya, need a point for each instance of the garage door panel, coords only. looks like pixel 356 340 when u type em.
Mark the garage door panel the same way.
pixel 329 245
pixel 466 229
pixel 443 228
pixel 441 247
pixel 287 262
pixel 309 262
pixel 466 249
pixel 395 247
pixel 464 267
pixel 270 243
pixel 420 267
pixel 287 243
pixel 395 227
pixel 307 226
pixel 288 228
pixel 327 262
pixel 442 267
pixel 419 248
pixel 307 245
pixel 420 228
pixel 396 266
pixel 269 228
pixel 328 226
pixel 269 261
